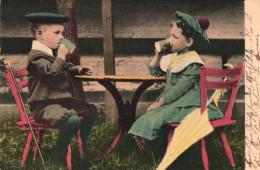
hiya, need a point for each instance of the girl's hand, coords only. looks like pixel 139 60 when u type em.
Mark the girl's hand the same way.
pixel 62 52
pixel 156 104
pixel 155 61
pixel 158 54
pixel 86 70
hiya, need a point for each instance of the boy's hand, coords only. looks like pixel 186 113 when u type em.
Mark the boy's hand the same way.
pixel 86 70
pixel 62 52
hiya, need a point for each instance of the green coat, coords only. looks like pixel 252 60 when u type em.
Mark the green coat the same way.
pixel 181 94
pixel 181 88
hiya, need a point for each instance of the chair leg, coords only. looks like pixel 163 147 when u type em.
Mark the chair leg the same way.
pixel 79 143
pixel 226 146
pixel 140 147
pixel 204 154
pixel 27 147
pixel 170 133
pixel 68 158
pixel 39 138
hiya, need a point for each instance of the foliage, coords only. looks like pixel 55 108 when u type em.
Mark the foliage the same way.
pixel 3 82
pixel 126 154
pixel 2 76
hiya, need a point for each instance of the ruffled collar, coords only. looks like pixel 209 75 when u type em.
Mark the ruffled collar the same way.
pixel 177 63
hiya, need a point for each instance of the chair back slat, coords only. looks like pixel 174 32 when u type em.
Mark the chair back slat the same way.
pixel 20 73
pixel 233 73
pixel 15 91
pixel 221 84
pixel 216 72
pixel 23 83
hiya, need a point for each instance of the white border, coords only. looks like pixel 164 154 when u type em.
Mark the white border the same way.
pixel 252 83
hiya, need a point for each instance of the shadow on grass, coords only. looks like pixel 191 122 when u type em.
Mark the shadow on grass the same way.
pixel 125 156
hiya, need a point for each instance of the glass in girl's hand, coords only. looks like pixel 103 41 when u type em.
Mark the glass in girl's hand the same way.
pixel 163 45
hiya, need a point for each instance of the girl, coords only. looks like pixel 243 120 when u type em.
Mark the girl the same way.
pixel 181 94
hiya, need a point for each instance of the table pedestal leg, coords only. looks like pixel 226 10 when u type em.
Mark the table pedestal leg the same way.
pixel 121 115
pixel 126 112
pixel 130 107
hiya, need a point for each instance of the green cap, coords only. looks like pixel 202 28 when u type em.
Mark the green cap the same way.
pixel 46 17
pixel 191 23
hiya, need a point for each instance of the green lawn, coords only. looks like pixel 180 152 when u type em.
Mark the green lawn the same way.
pixel 125 156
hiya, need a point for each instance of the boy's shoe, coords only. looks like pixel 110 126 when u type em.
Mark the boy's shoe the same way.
pixel 58 159
pixel 83 164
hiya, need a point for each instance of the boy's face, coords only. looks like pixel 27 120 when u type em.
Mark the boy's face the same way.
pixel 51 35
pixel 179 42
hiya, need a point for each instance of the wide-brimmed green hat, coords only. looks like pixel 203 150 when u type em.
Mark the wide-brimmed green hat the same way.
pixel 46 17
pixel 192 24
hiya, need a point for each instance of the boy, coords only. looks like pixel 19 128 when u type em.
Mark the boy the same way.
pixel 51 97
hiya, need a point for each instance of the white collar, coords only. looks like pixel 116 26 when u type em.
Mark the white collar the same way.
pixel 176 63
pixel 36 45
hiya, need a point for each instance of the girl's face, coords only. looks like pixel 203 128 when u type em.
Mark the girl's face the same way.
pixel 179 42
pixel 51 35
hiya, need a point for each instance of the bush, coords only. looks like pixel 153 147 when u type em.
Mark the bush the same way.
pixel 3 82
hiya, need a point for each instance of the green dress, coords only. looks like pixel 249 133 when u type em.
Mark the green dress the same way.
pixel 181 94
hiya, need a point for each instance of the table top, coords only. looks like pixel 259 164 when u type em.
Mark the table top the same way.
pixel 120 78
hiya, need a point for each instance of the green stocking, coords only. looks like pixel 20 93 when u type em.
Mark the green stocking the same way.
pixel 85 130
pixel 66 133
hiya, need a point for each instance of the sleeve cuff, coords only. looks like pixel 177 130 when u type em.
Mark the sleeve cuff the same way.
pixel 149 65
pixel 166 100
pixel 74 70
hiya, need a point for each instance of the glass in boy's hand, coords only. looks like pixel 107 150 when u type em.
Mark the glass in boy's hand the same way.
pixel 68 44
pixel 86 70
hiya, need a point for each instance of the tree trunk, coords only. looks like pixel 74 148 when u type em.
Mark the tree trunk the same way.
pixel 68 8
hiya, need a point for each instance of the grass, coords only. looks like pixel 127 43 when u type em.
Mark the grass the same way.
pixel 125 156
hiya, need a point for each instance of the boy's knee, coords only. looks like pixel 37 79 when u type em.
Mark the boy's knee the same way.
pixel 73 121
pixel 56 114
pixel 89 112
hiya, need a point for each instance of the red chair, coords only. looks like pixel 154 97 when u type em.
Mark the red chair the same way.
pixel 234 75
pixel 16 85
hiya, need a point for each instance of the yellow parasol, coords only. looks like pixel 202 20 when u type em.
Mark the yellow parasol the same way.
pixel 192 128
